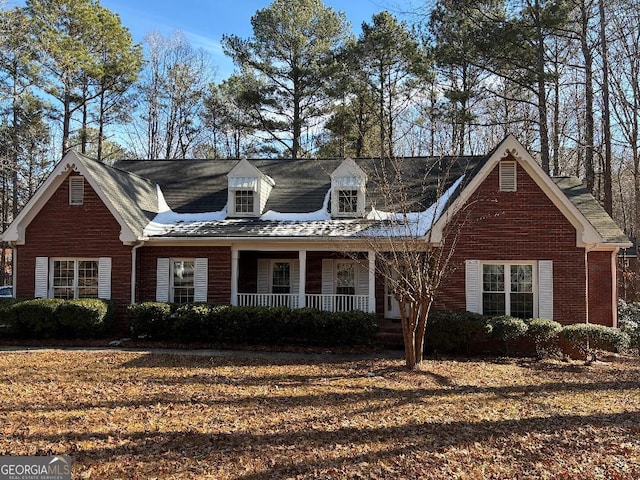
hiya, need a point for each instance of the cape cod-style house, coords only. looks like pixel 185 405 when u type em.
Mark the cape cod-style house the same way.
pixel 279 232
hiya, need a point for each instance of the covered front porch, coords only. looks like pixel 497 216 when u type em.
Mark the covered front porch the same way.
pixel 313 278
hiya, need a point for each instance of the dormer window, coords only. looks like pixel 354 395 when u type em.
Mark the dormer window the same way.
pixel 348 202
pixel 244 201
pixel 248 190
pixel 348 183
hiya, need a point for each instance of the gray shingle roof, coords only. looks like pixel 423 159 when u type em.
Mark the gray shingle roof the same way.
pixel 134 197
pixel 576 191
pixel 196 186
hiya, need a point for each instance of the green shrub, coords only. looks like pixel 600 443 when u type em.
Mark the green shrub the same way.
pixel 456 332
pixel 586 337
pixel 544 334
pixel 150 319
pixel 629 322
pixel 189 322
pixel 35 318
pixel 83 317
pixel 507 330
pixel 7 316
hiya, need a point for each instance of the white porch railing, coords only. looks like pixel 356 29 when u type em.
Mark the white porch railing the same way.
pixel 330 303
pixel 268 300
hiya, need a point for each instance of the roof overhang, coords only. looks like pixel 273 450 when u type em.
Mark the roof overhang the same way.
pixel 71 162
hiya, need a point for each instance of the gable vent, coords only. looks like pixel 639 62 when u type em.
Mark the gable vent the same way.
pixel 508 177
pixel 76 190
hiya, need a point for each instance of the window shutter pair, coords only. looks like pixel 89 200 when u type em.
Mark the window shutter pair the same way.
pixel 42 278
pixel 200 279
pixel 473 287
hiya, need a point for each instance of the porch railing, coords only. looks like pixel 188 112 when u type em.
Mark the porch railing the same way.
pixel 268 300
pixel 330 303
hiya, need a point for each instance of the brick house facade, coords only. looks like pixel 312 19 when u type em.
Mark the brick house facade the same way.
pixel 275 232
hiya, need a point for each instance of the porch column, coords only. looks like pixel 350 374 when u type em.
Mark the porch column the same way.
pixel 372 281
pixel 302 287
pixel 234 276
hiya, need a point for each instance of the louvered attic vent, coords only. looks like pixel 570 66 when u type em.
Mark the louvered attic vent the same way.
pixel 76 190
pixel 508 177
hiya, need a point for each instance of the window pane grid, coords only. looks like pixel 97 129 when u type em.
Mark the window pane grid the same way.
pixel 63 277
pixel 87 279
pixel 347 201
pixel 75 279
pixel 346 279
pixel 244 201
pixel 281 278
pixel 513 297
pixel 183 281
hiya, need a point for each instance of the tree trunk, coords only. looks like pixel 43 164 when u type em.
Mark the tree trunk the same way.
pixel 606 114
pixel 541 93
pixel 588 97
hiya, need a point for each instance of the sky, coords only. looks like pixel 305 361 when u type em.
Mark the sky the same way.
pixel 205 21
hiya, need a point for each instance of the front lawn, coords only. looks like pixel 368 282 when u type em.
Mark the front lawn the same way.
pixel 140 415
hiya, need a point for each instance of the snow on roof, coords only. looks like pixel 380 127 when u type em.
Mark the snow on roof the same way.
pixel 410 224
pixel 317 216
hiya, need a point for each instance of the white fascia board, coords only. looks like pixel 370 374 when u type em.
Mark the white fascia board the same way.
pixel 586 234
pixel 70 162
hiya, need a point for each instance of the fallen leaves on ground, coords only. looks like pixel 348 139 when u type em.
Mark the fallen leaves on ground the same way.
pixel 155 416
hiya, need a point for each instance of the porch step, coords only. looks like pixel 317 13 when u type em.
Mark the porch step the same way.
pixel 390 335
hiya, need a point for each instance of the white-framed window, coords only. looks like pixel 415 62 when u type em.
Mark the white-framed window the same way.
pixel 182 286
pixel 244 201
pixel 281 277
pixel 74 278
pixel 76 190
pixel 345 278
pixel 182 280
pixel 509 289
pixel 347 201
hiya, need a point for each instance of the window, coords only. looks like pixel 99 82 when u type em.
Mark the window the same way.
pixel 348 201
pixel 244 201
pixel 507 290
pixel 346 278
pixel 75 278
pixel 281 277
pixel 76 190
pixel 183 281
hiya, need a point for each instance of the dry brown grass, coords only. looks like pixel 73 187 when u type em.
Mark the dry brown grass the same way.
pixel 138 415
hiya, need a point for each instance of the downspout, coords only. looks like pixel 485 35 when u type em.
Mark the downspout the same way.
pixel 14 269
pixel 134 258
pixel 614 281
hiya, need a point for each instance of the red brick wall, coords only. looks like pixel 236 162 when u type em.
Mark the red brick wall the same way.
pixel 62 230
pixel 219 286
pixel 600 288
pixel 511 226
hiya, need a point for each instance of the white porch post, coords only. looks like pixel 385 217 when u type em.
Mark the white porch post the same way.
pixel 372 281
pixel 234 276
pixel 302 288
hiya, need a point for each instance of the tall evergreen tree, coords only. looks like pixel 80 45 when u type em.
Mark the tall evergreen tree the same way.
pixel 290 59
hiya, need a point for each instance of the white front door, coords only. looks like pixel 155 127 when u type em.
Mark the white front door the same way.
pixel 391 305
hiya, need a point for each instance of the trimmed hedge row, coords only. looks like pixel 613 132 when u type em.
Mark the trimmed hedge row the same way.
pixel 55 318
pixel 466 333
pixel 250 325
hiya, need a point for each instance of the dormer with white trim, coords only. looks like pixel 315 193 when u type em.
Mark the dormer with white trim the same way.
pixel 348 188
pixel 248 190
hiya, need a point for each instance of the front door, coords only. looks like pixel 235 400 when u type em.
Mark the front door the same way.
pixel 391 305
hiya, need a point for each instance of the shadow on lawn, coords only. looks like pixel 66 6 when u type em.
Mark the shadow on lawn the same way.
pixel 387 396
pixel 403 440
